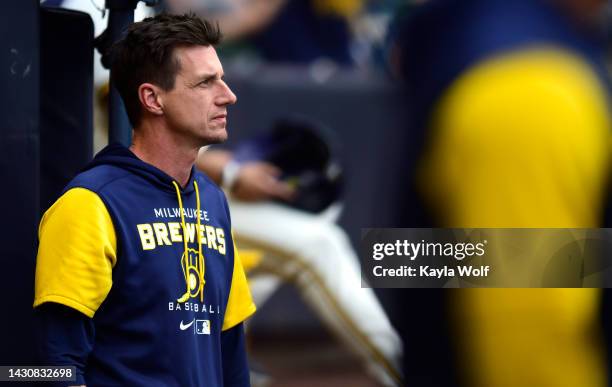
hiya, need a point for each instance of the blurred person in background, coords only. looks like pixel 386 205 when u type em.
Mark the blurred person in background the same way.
pixel 266 179
pixel 513 97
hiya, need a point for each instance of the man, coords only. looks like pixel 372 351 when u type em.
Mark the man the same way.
pixel 137 279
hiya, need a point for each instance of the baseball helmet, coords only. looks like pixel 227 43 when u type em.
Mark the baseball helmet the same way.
pixel 307 154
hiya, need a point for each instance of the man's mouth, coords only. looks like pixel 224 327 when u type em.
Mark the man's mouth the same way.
pixel 220 117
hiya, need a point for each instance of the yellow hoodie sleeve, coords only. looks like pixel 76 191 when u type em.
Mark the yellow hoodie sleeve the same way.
pixel 77 252
pixel 240 304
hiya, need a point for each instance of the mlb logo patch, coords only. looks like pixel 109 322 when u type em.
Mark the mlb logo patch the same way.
pixel 202 327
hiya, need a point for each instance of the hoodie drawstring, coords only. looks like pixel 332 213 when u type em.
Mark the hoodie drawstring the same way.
pixel 200 256
pixel 185 261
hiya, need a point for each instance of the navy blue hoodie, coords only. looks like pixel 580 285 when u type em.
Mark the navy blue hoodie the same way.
pixel 151 267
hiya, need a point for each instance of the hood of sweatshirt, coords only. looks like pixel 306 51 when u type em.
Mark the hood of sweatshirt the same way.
pixel 119 156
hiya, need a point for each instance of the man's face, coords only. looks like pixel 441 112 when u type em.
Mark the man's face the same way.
pixel 196 108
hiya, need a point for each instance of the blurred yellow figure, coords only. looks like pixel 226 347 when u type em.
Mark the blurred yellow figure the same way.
pixel 523 140
pixel 514 101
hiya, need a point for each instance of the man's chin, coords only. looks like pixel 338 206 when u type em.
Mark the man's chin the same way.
pixel 218 137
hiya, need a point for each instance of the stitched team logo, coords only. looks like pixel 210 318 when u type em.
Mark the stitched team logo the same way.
pixel 193 271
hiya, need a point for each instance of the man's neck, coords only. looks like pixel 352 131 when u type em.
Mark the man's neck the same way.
pixel 165 151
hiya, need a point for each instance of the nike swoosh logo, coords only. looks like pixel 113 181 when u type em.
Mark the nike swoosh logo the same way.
pixel 183 326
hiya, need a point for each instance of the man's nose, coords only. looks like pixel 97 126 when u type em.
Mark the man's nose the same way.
pixel 227 96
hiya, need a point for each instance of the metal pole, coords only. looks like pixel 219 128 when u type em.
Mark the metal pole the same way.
pixel 121 15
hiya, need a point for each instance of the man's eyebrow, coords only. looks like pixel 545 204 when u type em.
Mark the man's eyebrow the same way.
pixel 209 77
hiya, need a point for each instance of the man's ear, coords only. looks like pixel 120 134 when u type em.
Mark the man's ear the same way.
pixel 150 98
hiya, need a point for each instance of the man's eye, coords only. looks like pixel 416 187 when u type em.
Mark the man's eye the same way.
pixel 205 82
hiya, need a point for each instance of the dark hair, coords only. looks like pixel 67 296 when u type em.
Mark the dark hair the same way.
pixel 146 54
